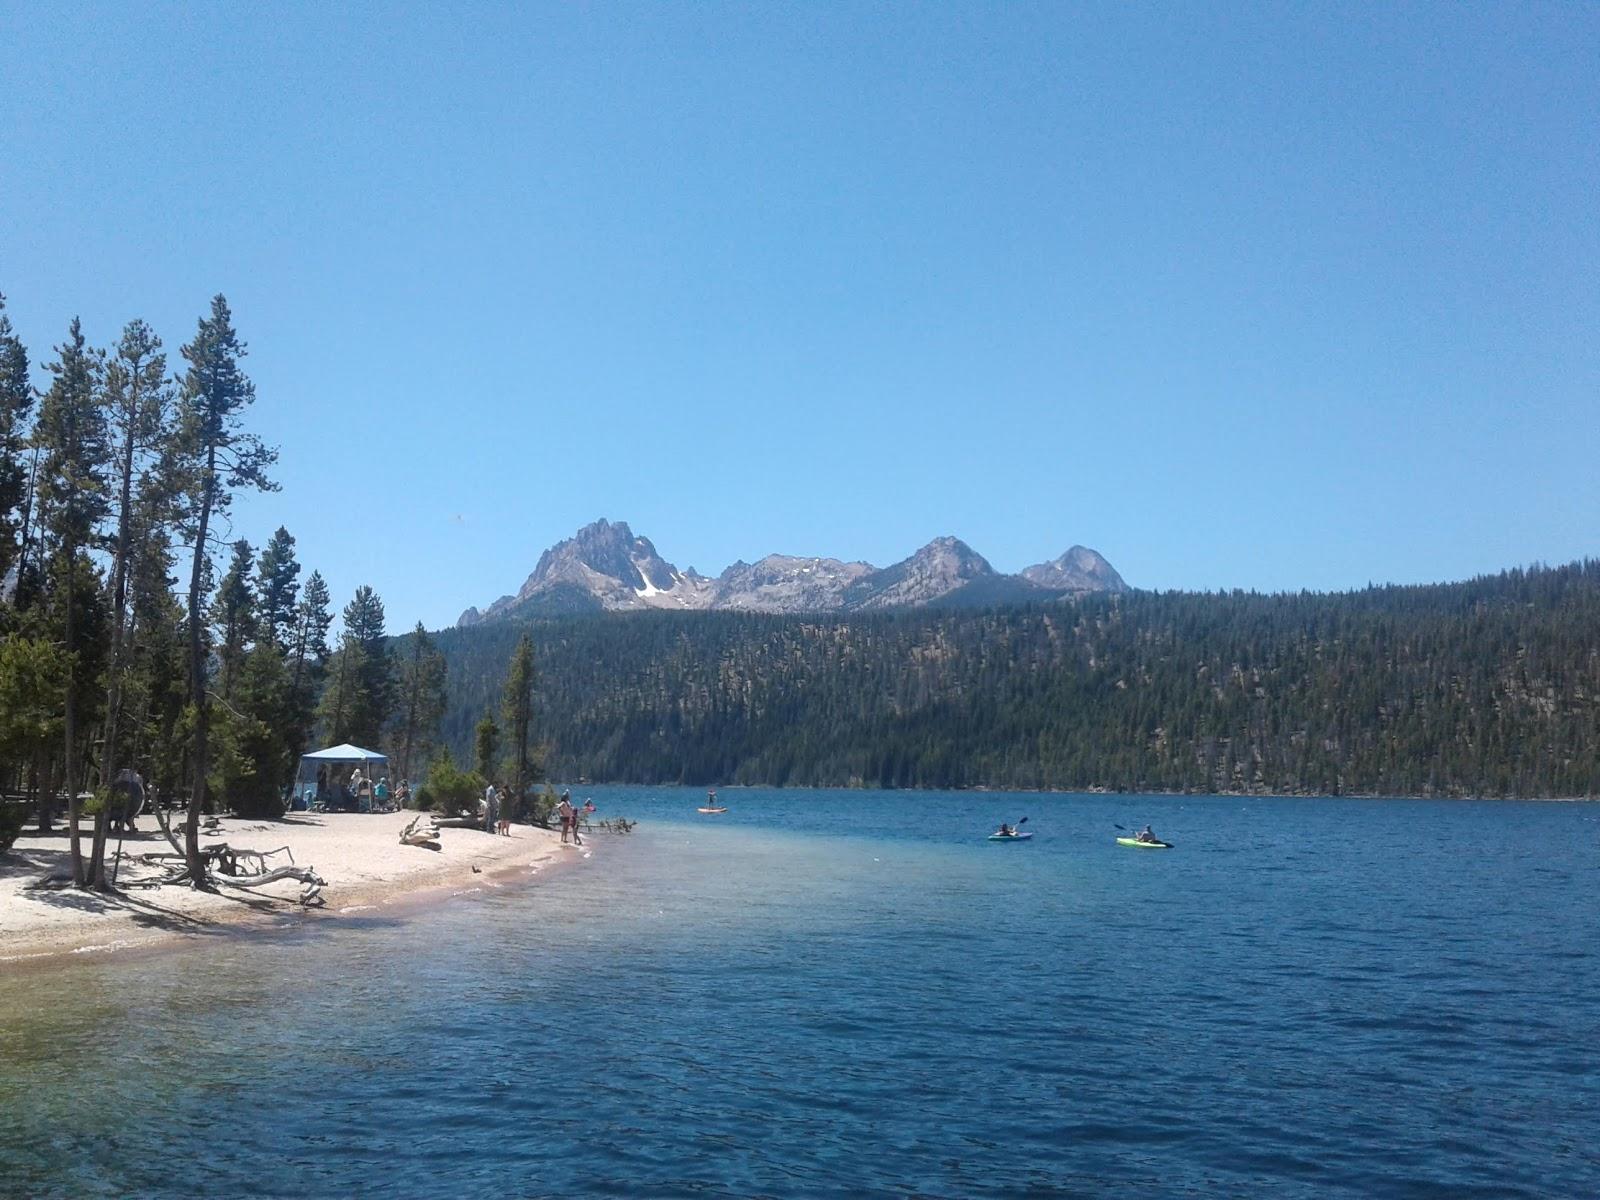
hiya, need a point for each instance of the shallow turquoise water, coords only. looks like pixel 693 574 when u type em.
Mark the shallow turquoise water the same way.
pixel 854 994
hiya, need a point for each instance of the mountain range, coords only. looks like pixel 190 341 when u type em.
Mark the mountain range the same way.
pixel 606 567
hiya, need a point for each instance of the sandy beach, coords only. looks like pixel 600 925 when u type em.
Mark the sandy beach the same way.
pixel 359 855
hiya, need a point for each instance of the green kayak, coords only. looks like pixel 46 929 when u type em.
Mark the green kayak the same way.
pixel 1144 845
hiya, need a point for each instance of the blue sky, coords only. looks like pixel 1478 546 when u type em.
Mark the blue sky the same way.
pixel 1271 296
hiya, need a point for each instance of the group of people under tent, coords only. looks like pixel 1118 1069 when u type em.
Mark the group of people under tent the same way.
pixel 357 793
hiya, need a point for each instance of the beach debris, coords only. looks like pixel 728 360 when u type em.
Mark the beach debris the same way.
pixel 312 892
pixel 419 834
pixel 231 866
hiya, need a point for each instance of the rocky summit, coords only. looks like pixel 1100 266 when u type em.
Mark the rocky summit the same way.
pixel 606 567
pixel 1078 570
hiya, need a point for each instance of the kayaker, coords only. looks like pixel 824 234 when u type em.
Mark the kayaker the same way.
pixel 1144 835
pixel 1005 830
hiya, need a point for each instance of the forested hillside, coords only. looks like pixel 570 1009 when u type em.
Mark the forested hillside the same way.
pixel 1490 687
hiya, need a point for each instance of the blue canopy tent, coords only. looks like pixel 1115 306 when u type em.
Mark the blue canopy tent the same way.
pixel 374 766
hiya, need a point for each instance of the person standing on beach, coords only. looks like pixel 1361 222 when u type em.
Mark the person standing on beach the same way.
pixel 491 809
pixel 564 811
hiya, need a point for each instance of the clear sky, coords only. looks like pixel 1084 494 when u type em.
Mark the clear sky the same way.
pixel 1262 296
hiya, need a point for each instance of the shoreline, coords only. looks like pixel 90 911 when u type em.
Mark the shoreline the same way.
pixel 359 855
pixel 986 789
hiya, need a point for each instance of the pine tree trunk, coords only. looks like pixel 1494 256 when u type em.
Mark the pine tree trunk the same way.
pixel 39 779
pixel 70 723
pixel 119 609
pixel 412 701
pixel 197 683
pixel 297 744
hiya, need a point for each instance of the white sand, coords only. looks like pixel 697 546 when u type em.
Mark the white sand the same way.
pixel 359 856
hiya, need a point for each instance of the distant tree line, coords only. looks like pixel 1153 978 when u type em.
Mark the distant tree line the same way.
pixel 1485 688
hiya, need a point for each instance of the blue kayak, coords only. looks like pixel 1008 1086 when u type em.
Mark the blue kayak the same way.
pixel 1009 837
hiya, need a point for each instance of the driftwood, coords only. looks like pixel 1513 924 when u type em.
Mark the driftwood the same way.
pixel 418 834
pixel 614 825
pixel 313 883
pixel 221 864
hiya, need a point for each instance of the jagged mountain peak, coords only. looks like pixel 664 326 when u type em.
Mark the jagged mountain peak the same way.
pixel 606 566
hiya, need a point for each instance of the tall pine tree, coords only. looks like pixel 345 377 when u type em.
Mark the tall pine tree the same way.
pixel 373 694
pixel 277 589
pixel 72 437
pixel 422 700
pixel 308 658
pixel 221 457
pixel 137 400
pixel 516 709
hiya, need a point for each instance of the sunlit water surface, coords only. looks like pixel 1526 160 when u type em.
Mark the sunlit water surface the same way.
pixel 846 994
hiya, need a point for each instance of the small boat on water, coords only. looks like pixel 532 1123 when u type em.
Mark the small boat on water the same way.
pixel 712 810
pixel 1009 837
pixel 1144 845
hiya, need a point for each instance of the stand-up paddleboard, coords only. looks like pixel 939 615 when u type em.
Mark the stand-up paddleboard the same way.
pixel 713 810
pixel 1144 845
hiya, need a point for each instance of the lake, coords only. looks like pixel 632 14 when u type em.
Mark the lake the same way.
pixel 853 993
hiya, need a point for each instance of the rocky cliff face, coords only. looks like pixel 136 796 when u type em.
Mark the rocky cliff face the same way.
pixel 604 566
pixel 940 567
pixel 780 583
pixel 621 571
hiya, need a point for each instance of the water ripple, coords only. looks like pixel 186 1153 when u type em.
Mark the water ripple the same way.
pixel 772 1006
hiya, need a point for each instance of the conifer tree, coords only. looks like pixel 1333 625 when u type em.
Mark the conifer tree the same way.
pixel 516 709
pixel 308 658
pixel 372 695
pixel 233 612
pixel 137 400
pixel 220 458
pixel 72 437
pixel 486 742
pixel 253 764
pixel 342 701
pixel 312 621
pixel 16 404
pixel 277 589
pixel 422 699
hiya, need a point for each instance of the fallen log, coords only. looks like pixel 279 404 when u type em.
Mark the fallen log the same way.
pixel 223 855
pixel 418 834
pixel 313 882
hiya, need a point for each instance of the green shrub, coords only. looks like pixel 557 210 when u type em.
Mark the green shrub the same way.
pixel 451 791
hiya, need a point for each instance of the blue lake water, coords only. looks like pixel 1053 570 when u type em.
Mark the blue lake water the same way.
pixel 852 993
